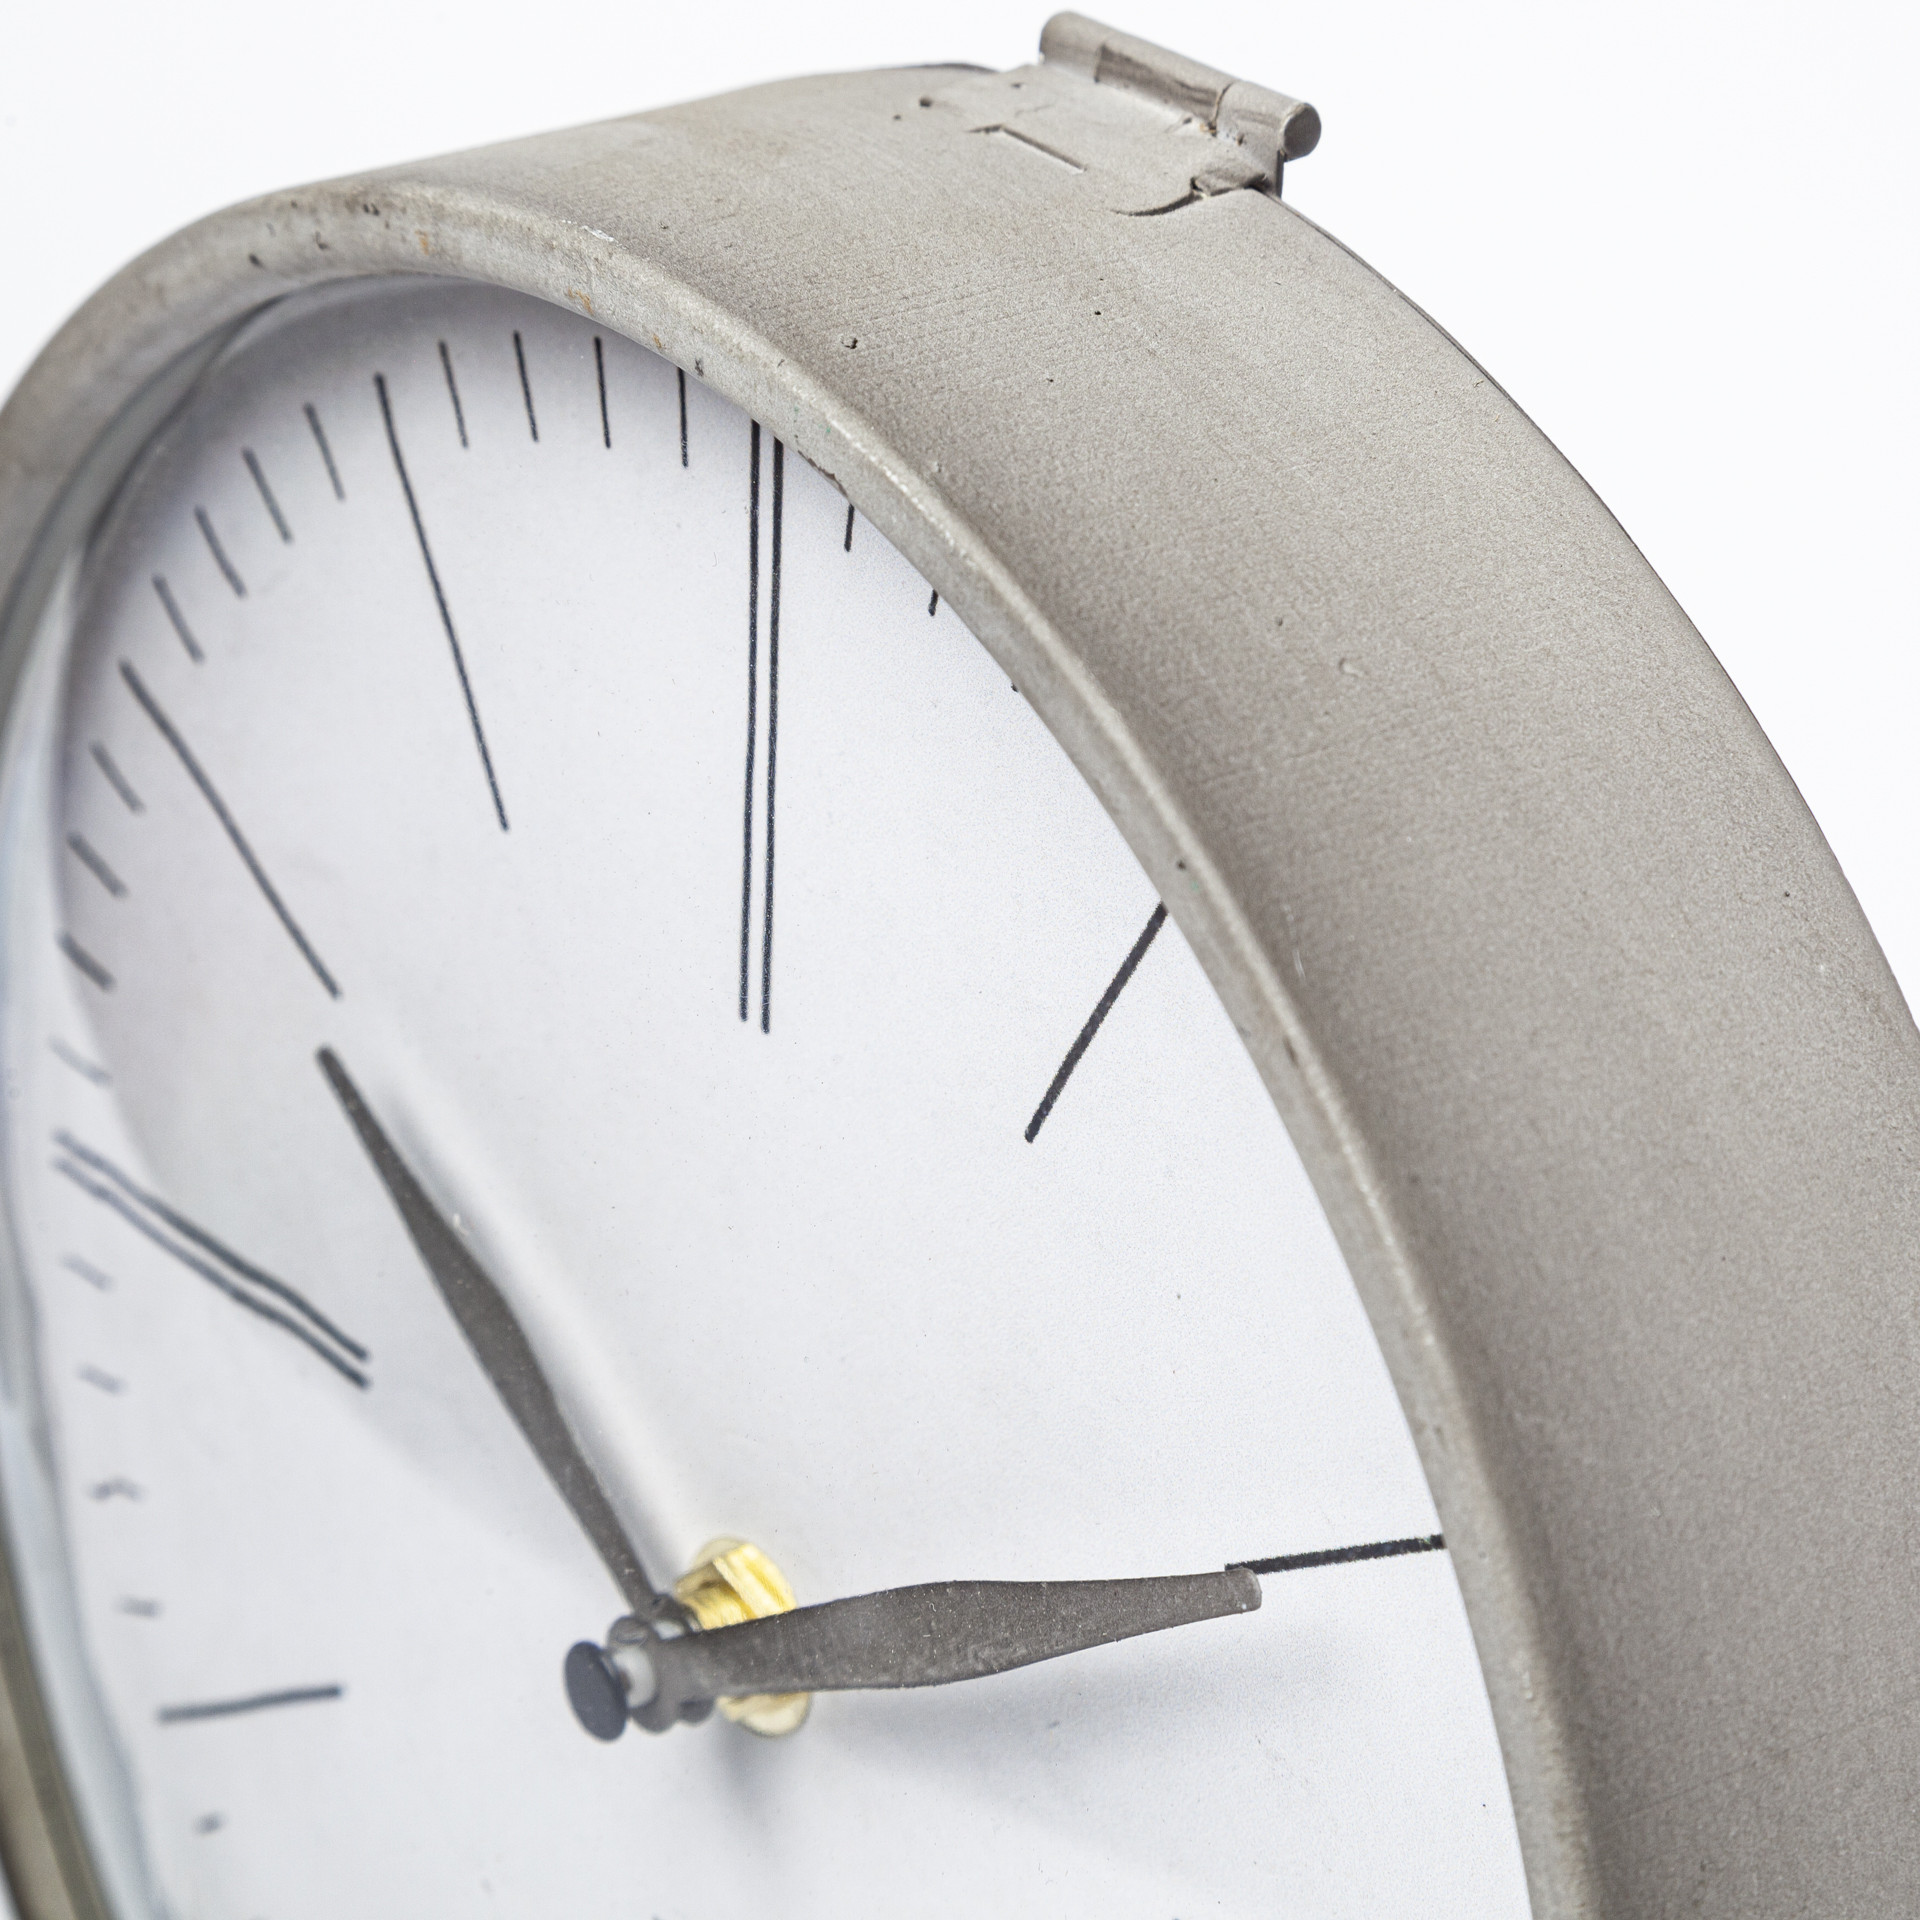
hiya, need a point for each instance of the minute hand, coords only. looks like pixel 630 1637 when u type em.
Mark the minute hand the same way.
pixel 498 1343
pixel 929 1636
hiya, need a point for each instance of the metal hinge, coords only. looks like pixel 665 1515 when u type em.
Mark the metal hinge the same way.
pixel 1263 129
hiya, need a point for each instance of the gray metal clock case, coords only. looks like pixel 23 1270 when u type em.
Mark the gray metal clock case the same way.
pixel 1593 1058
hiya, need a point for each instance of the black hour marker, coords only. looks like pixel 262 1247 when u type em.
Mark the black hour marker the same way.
pixel 1155 920
pixel 440 598
pixel 600 374
pixel 453 392
pixel 198 775
pixel 526 389
pixel 94 1075
pixel 88 1272
pixel 87 964
pixel 326 452
pixel 267 500
pixel 90 1172
pixel 116 779
pixel 753 697
pixel 98 1163
pixel 248 1703
pixel 849 540
pixel 681 373
pixel 179 620
pixel 933 603
pixel 1340 1556
pixel 773 737
pixel 219 553
pixel 83 851
pixel 753 724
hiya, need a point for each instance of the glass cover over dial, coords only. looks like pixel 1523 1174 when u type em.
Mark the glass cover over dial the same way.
pixel 763 997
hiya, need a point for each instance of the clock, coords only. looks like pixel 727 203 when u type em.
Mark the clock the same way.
pixel 888 1029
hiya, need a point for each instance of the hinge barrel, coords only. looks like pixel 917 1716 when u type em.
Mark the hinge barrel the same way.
pixel 1273 127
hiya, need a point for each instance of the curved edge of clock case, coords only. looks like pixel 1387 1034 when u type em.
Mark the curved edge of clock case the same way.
pixel 1596 1065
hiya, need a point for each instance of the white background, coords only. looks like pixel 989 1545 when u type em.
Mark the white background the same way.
pixel 1683 235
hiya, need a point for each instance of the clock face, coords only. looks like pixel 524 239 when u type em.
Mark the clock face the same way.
pixel 772 1008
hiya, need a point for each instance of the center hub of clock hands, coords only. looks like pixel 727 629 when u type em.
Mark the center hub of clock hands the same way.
pixel 729 1633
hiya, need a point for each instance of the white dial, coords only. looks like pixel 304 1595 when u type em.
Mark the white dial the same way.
pixel 750 977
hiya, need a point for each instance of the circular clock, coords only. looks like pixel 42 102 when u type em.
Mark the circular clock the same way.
pixel 888 1030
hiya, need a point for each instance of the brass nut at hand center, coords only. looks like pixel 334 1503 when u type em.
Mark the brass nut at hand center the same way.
pixel 732 1581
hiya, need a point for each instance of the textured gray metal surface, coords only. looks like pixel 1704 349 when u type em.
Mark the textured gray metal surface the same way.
pixel 1605 1084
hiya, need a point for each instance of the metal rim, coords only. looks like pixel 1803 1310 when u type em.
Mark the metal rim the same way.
pixel 1544 1140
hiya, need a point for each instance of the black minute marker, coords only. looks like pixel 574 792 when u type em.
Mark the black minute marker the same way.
pixel 326 452
pixel 773 738
pixel 179 621
pixel 87 964
pixel 1155 920
pixel 526 389
pixel 219 553
pixel 753 700
pixel 600 374
pixel 681 373
pixel 83 850
pixel 439 595
pixel 137 687
pixel 249 1703
pixel 267 500
pixel 116 779
pixel 453 393
pixel 1343 1556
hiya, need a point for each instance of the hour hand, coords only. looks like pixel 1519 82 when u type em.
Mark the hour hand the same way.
pixel 925 1636
pixel 500 1346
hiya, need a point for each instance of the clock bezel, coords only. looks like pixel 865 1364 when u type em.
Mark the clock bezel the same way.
pixel 1601 1673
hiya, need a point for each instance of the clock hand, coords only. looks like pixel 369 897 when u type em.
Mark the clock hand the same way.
pixel 926 1636
pixel 501 1348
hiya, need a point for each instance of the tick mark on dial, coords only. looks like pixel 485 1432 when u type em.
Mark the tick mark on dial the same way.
pixel 1155 921
pixel 124 1189
pixel 453 393
pixel 526 389
pixel 99 1377
pixel 600 374
pixel 933 603
pixel 753 701
pixel 87 964
pixel 210 1823
pixel 773 737
pixel 219 553
pixel 96 1076
pixel 1342 1556
pixel 848 544
pixel 118 1488
pixel 88 1272
pixel 440 597
pixel 198 775
pixel 267 500
pixel 326 452
pixel 753 723
pixel 116 779
pixel 138 1608
pixel 247 1703
pixel 179 620
pixel 83 851
pixel 680 373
